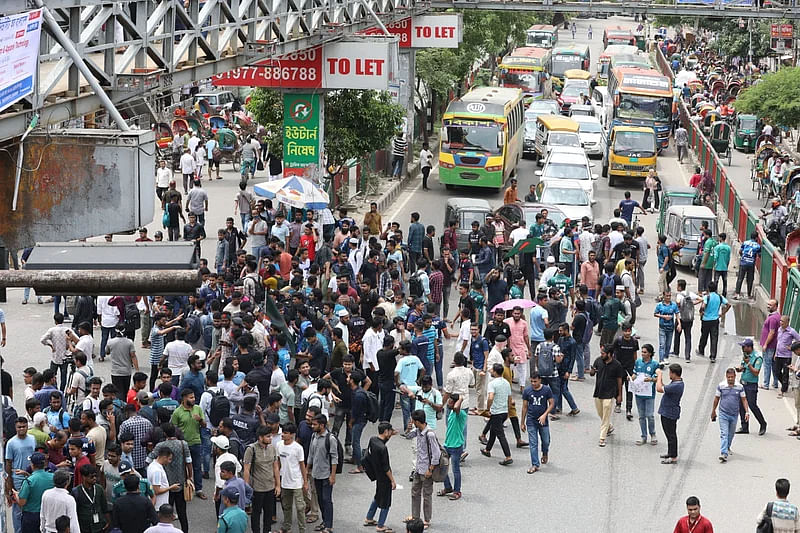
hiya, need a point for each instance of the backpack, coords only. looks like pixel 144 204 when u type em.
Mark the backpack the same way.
pixel 415 286
pixel 254 289
pixel 339 449
pixel 194 329
pixel 594 310
pixel 61 414
pixel 133 320
pixel 307 403
pixel 547 364
pixel 367 465
pixel 609 281
pixel 687 309
pixel 587 333
pixel 220 408
pixel 208 330
pixel 439 471
pixel 239 447
pixel 765 526
pixel 373 407
pixel 9 418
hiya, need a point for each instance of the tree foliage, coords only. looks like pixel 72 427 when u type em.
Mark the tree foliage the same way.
pixel 775 98
pixel 730 39
pixel 357 122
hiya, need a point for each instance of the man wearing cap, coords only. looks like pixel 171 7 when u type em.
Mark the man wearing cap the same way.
pixel 57 502
pixel 750 367
pixel 166 515
pixel 233 519
pixel 29 496
pixel 125 471
pixel 143 236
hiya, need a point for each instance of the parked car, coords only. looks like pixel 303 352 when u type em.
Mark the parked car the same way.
pixel 464 211
pixel 568 195
pixel 593 138
pixel 569 163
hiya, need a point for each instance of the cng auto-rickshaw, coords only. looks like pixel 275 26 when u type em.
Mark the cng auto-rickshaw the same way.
pixel 671 196
pixel 745 133
pixel 684 222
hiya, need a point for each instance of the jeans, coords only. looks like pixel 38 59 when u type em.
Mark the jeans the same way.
pixel 727 429
pixel 425 172
pixel 64 367
pixel 57 303
pixel 387 400
pixel 670 427
pixel 122 383
pixel 703 277
pixel 188 182
pixel 746 272
pixel 587 355
pixel 428 365
pixel 197 466
pixel 664 343
pixel 358 428
pixel 446 299
pixel 343 414
pixel 107 333
pixel 565 393
pixel 289 498
pixel 397 166
pixel 174 233
pixel 437 366
pixel 496 431
pixel 325 499
pixel 686 330
pixel 30 522
pixel 407 406
pixel 248 165
pixel 555 385
pixel 373 508
pixel 177 501
pixel 536 431
pixel 422 494
pixel 447 416
pixel 245 219
pixel 579 360
pixel 781 369
pixel 751 391
pixel 205 437
pixel 722 274
pixel 709 328
pixel 647 422
pixel 263 502
pixel 455 464
pixel 681 152
pixel 768 368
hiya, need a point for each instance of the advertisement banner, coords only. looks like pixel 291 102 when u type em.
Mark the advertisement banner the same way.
pixel 358 65
pixel 298 70
pixel 301 132
pixel 436 31
pixel 781 31
pixel 19 55
pixel 400 29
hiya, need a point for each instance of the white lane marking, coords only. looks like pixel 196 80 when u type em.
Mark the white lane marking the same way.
pixel 410 195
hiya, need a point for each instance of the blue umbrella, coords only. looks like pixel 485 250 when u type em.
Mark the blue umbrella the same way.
pixel 294 191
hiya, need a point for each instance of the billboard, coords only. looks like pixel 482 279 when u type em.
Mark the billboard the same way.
pixel 425 31
pixel 19 50
pixel 301 132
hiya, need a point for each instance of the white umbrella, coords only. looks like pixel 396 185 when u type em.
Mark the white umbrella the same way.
pixel 294 191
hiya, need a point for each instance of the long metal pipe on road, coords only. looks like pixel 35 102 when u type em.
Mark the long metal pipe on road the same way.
pixel 103 282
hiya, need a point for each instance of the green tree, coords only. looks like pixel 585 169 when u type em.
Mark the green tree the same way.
pixel 357 123
pixel 776 98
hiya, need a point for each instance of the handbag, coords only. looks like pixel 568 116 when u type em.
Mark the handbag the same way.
pixel 439 471
pixel 188 490
pixel 260 165
pixel 765 526
pixel 165 219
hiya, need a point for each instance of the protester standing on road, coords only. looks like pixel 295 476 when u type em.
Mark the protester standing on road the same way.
pixel 668 314
pixel 712 310
pixel 686 301
pixel 721 257
pixel 384 479
pixel 747 265
pixel 607 389
pixel 426 164
pixel 510 195
pixel 663 258
pixel 750 367
pixel 537 404
pixel 780 514
pixel 783 352
pixel 427 458
pixel 730 398
pixel 399 148
pixel 768 342
pixel 681 141
pixel 670 409
pixel 454 443
pixel 498 403
pixel 693 522
pixel 645 370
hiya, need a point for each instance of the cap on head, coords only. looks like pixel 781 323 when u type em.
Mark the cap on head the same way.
pixel 221 442
pixel 747 342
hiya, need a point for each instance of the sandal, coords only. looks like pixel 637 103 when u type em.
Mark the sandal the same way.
pixel 369 522
pixel 485 453
pixel 533 469
pixel 444 492
pixel 669 461
pixel 320 527
pixel 427 525
pixel 408 519
pixel 455 496
pixel 602 443
pixel 384 530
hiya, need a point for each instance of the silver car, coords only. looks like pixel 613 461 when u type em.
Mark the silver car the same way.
pixel 593 138
pixel 569 163
pixel 568 195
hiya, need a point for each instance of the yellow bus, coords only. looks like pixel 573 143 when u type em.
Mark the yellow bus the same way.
pixel 481 138
pixel 527 69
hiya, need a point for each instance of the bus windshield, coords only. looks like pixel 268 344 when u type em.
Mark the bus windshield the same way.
pixel 528 82
pixel 543 39
pixel 472 135
pixel 634 106
pixel 563 63
pixel 638 143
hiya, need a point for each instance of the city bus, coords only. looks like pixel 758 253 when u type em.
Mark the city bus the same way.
pixel 481 138
pixel 618 35
pixel 637 60
pixel 527 69
pixel 542 36
pixel 605 58
pixel 640 97
pixel 566 58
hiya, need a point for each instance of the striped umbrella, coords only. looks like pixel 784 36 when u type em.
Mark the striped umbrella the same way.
pixel 294 191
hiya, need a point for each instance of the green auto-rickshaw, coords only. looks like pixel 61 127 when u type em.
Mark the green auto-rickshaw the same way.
pixel 746 133
pixel 673 196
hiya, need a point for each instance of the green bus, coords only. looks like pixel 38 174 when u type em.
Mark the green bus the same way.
pixel 481 139
pixel 568 57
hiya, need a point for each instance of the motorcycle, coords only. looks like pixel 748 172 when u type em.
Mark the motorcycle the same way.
pixel 775 230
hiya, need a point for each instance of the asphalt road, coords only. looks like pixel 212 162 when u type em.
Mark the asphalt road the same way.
pixel 584 488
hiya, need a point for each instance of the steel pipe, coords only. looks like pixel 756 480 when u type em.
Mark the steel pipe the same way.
pixel 103 282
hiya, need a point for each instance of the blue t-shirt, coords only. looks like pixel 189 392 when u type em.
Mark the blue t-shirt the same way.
pixel 477 347
pixel 537 402
pixel 713 303
pixel 648 369
pixel 626 208
pixel 666 309
pixel 538 314
pixel 729 398
pixel 671 402
pixel 431 334
pixel 283 360
pixel 749 252
pixel 408 368
pixel 662 254
pixel 18 452
pixel 419 347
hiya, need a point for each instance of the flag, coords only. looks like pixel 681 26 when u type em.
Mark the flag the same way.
pixel 525 246
pixel 276 319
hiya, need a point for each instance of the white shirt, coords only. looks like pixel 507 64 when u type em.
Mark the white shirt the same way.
pixel 585 239
pixel 291 456
pixel 109 314
pixel 519 234
pixel 193 142
pixel 400 336
pixel 163 175
pixel 177 353
pixel 464 334
pixel 766 130
pixel 187 164
pixel 200 156
pixel 55 503
pixel 425 158
pixel 547 275
pixel 227 456
pixel 86 345
pixel 326 400
pixel 277 379
pixel 372 342
pixel 156 475
pixel 614 238
pixel 458 381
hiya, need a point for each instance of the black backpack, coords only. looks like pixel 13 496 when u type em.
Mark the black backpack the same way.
pixel 415 286
pixel 339 450
pixel 373 407
pixel 220 408
pixel 194 329
pixel 133 319
pixel 307 402
pixel 9 418
pixel 765 526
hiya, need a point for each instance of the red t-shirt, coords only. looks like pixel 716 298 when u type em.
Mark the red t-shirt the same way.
pixel 78 479
pixel 131 398
pixel 703 525
pixel 307 242
pixel 694 181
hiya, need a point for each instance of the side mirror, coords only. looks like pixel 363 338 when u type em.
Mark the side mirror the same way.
pixel 592 165
pixel 538 173
pixel 501 139
pixel 443 135
pixel 594 177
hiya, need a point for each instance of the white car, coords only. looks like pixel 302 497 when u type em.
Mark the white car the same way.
pixel 569 163
pixel 568 195
pixel 593 138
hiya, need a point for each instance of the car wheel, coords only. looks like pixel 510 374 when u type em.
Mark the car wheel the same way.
pixel 449 187
pixel 604 171
pixel 611 180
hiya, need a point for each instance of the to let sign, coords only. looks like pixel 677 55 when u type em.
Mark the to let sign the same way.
pixel 301 132
pixel 357 65
pixel 436 31
pixel 400 29
pixel 781 31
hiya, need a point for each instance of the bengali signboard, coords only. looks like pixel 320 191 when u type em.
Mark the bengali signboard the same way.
pixel 19 55
pixel 781 37
pixel 301 132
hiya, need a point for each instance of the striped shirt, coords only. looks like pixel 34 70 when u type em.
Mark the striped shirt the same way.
pixel 399 147
pixel 156 346
pixel 430 333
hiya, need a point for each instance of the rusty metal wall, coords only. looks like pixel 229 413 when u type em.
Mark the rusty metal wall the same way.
pixel 76 184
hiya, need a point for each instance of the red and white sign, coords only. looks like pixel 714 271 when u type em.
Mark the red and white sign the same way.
pixel 781 31
pixel 401 29
pixel 436 31
pixel 364 64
